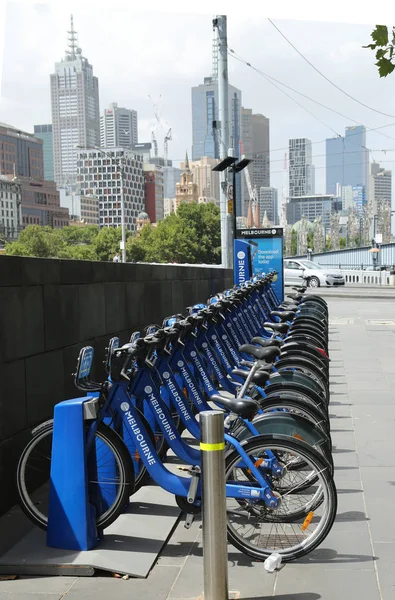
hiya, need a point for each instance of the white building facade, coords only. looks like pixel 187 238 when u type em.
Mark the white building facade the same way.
pixel 10 208
pixel 118 127
pixel 301 169
pixel 98 174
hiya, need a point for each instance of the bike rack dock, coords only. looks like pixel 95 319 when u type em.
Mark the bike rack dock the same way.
pixel 130 546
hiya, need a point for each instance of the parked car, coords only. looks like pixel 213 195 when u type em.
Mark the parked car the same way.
pixel 296 270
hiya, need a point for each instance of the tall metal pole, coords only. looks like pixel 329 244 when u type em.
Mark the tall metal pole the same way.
pixel 215 550
pixel 223 115
pixel 122 213
pixel 234 202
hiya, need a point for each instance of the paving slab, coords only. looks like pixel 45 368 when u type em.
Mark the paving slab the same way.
pixel 129 546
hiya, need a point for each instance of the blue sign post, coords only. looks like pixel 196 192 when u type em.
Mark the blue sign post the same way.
pixel 259 251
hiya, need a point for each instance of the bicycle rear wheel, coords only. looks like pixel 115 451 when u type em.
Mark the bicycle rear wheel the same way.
pixel 33 475
pixel 302 519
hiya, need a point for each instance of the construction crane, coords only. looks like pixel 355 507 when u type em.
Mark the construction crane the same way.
pixel 253 196
pixel 168 138
pixel 154 143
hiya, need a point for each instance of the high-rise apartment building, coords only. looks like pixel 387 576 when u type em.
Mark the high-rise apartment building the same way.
pixel 255 134
pixel 41 204
pixel 171 176
pixel 301 169
pixel 380 186
pixel 10 208
pixel 98 174
pixel 21 153
pixel 75 111
pixel 311 207
pixel 205 133
pixel 268 202
pixel 347 160
pixel 83 209
pixel 22 160
pixel 44 133
pixel 118 127
pixel 206 179
pixel 154 192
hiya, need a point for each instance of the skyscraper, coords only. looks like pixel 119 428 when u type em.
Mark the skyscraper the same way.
pixel 380 186
pixel 255 134
pixel 347 160
pixel 205 135
pixel 99 175
pixel 301 169
pixel 75 110
pixel 44 133
pixel 268 202
pixel 118 127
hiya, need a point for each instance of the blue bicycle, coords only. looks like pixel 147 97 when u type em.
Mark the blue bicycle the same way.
pixel 262 517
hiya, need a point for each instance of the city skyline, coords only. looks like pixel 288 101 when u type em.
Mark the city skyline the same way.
pixel 345 62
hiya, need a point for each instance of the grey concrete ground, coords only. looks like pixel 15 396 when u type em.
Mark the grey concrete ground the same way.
pixel 357 558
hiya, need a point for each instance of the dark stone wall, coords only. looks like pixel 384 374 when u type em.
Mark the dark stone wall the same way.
pixel 50 309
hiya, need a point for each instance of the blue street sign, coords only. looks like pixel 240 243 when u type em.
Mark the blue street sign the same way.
pixel 263 250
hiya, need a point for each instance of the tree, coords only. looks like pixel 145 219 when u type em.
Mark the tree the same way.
pixel 342 243
pixel 384 48
pixel 35 240
pixel 294 243
pixel 106 243
pixel 192 235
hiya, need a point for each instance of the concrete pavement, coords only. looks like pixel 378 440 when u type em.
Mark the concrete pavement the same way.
pixel 357 558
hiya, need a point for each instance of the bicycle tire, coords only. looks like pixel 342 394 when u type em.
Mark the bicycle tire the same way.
pixel 306 409
pixel 124 464
pixel 258 445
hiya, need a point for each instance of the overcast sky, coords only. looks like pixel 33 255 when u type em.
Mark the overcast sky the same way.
pixel 135 55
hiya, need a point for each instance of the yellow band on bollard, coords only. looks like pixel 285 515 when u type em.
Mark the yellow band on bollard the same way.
pixel 212 447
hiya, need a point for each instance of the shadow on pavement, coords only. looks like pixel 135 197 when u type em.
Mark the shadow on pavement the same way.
pixel 301 596
pixel 352 515
pixel 153 509
pixel 328 556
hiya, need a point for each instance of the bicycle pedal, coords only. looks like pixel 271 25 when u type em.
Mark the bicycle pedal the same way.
pixel 192 470
pixel 189 519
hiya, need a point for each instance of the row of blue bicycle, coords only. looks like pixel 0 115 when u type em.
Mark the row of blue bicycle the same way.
pixel 266 365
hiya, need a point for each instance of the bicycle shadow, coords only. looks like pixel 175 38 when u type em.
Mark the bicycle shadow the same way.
pixel 330 556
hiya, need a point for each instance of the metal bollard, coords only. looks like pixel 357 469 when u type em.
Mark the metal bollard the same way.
pixel 215 550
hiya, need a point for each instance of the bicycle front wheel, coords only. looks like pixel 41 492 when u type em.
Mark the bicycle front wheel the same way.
pixel 33 475
pixel 305 513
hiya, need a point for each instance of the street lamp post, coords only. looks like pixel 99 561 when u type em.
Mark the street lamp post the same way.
pixel 120 169
pixel 234 167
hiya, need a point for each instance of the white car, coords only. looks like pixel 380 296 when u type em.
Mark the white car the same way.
pixel 296 271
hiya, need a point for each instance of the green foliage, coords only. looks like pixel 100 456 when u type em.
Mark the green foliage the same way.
pixel 294 243
pixel 384 49
pixel 342 242
pixel 106 243
pixel 191 236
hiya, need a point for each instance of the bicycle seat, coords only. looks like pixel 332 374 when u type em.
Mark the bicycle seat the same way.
pixel 267 354
pixel 284 315
pixel 280 327
pixel 295 296
pixel 266 343
pixel 289 306
pixel 244 407
pixel 300 289
pixel 260 377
